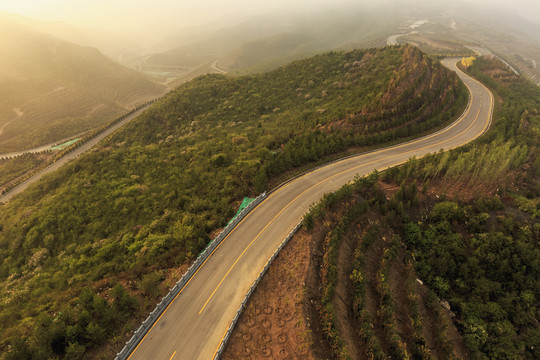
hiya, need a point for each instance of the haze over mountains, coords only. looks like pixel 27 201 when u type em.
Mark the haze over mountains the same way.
pixel 87 251
pixel 265 41
pixel 51 89
pixel 119 46
pixel 250 37
pixel 191 33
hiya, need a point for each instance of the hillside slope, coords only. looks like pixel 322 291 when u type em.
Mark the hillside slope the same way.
pixel 437 258
pixel 311 34
pixel 141 206
pixel 51 89
pixel 120 47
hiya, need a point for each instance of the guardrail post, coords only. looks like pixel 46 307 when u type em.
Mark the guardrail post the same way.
pixel 225 339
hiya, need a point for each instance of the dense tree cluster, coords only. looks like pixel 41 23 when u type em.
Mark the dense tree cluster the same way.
pixel 90 320
pixel 12 168
pixel 483 256
pixel 487 271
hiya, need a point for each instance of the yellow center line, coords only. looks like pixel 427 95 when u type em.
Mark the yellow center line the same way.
pixel 360 156
pixel 317 184
pixel 193 276
pixel 174 353
pixel 483 130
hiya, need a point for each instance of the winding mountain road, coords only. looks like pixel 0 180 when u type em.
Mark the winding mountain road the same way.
pixel 214 67
pixel 194 324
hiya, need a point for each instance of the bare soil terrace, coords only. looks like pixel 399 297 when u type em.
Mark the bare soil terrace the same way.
pixel 281 320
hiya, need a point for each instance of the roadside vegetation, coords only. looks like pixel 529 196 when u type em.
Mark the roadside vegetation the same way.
pixel 19 169
pixel 437 258
pixel 135 210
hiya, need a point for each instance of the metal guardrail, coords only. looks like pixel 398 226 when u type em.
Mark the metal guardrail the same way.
pixel 227 336
pixel 169 298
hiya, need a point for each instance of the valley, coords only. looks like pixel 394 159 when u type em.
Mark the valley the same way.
pixel 63 158
pixel 51 89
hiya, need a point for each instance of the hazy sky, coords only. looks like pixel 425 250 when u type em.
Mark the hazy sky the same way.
pixel 138 15
pixel 114 14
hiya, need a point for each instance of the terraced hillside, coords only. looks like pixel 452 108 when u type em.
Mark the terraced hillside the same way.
pixel 101 239
pixel 343 288
pixel 51 89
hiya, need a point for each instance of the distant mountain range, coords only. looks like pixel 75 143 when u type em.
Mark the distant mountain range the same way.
pixel 267 41
pixel 51 88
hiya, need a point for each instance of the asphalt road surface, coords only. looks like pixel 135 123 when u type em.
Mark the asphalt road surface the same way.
pixel 214 67
pixel 196 321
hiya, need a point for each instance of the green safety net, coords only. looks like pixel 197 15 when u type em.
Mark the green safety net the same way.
pixel 243 205
pixel 66 144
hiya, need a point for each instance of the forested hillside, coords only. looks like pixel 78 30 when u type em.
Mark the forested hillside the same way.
pixel 85 251
pixel 438 258
pixel 51 89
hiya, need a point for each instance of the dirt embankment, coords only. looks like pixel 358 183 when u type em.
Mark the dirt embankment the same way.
pixel 276 323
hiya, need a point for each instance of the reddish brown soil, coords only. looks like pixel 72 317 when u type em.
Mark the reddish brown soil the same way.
pixel 344 298
pixel 460 351
pixel 276 323
pixel 373 258
pixel 430 326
